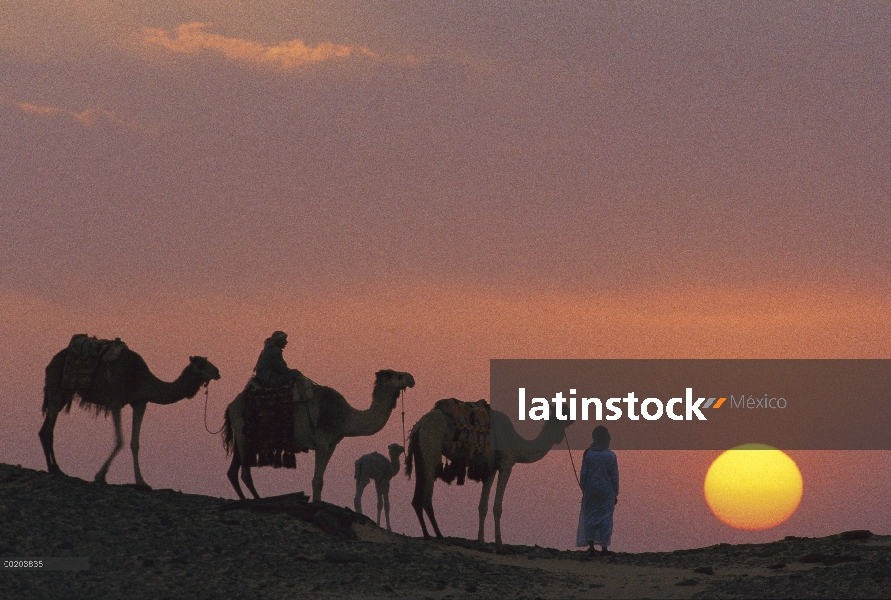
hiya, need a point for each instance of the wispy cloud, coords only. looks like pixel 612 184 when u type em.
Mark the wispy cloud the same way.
pixel 192 38
pixel 88 118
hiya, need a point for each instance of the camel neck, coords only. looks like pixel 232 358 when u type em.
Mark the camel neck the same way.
pixel 170 392
pixel 372 420
pixel 394 463
pixel 529 451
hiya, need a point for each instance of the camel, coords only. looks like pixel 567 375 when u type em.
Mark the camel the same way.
pixel 124 381
pixel 376 466
pixel 337 420
pixel 431 438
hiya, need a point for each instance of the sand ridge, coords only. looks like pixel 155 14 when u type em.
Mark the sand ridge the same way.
pixel 166 544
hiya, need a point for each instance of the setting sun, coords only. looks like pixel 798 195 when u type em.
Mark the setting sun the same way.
pixel 753 487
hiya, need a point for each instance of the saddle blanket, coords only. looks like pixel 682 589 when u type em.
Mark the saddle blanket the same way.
pixel 84 355
pixel 269 424
pixel 471 439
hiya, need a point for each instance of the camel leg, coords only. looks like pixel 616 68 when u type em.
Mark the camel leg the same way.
pixel 54 400
pixel 503 476
pixel 248 480
pixel 138 414
pixel 423 500
pixel 46 438
pixel 360 489
pixel 418 504
pixel 118 444
pixel 235 414
pixel 418 500
pixel 484 508
pixel 428 508
pixel 232 473
pixel 323 455
pixel 425 477
pixel 380 500
pixel 383 497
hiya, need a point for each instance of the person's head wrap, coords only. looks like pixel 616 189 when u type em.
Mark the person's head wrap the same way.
pixel 600 437
pixel 275 338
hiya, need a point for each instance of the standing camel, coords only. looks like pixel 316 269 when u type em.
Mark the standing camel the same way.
pixel 124 381
pixel 431 439
pixel 337 420
pixel 376 466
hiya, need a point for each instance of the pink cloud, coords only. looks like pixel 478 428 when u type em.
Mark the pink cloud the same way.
pixel 192 38
pixel 88 118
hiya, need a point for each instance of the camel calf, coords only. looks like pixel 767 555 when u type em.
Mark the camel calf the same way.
pixel 376 466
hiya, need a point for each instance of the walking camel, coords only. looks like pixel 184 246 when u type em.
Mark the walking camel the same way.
pixel 337 420
pixel 431 439
pixel 126 380
pixel 377 467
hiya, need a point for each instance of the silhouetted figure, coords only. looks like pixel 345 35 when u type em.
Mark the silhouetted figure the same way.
pixel 107 376
pixel 272 370
pixel 600 493
pixel 433 437
pixel 336 420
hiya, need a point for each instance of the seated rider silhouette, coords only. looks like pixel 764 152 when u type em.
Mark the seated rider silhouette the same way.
pixel 272 371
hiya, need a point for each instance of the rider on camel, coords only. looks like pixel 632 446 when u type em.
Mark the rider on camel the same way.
pixel 272 370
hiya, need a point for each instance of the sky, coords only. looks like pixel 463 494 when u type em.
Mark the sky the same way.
pixel 425 187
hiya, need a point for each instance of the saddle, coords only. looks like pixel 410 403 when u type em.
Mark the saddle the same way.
pixel 269 419
pixel 471 440
pixel 84 355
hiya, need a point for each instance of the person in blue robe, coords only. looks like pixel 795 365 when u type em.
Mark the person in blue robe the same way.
pixel 600 493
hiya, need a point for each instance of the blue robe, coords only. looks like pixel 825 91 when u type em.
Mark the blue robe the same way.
pixel 600 487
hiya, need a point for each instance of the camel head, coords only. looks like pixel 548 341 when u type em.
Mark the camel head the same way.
pixel 394 379
pixel 396 450
pixel 558 428
pixel 204 368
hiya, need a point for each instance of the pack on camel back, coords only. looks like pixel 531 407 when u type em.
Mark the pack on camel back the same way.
pixel 269 426
pixel 471 440
pixel 85 353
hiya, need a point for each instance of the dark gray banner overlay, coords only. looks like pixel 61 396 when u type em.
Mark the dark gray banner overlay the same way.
pixel 830 404
pixel 42 563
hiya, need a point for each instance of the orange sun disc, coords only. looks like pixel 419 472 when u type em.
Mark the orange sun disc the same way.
pixel 753 487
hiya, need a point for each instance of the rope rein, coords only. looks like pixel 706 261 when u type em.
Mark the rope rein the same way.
pixel 206 396
pixel 402 395
pixel 572 460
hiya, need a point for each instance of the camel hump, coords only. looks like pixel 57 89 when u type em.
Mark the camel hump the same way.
pixel 470 415
pixel 84 354
pixel 471 443
pixel 85 347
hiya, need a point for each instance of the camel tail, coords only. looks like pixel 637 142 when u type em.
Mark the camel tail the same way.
pixel 52 389
pixel 412 449
pixel 228 434
pixel 358 469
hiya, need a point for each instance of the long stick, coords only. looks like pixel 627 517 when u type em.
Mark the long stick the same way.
pixel 402 394
pixel 572 461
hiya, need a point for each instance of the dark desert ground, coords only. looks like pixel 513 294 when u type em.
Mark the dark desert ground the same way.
pixel 166 544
